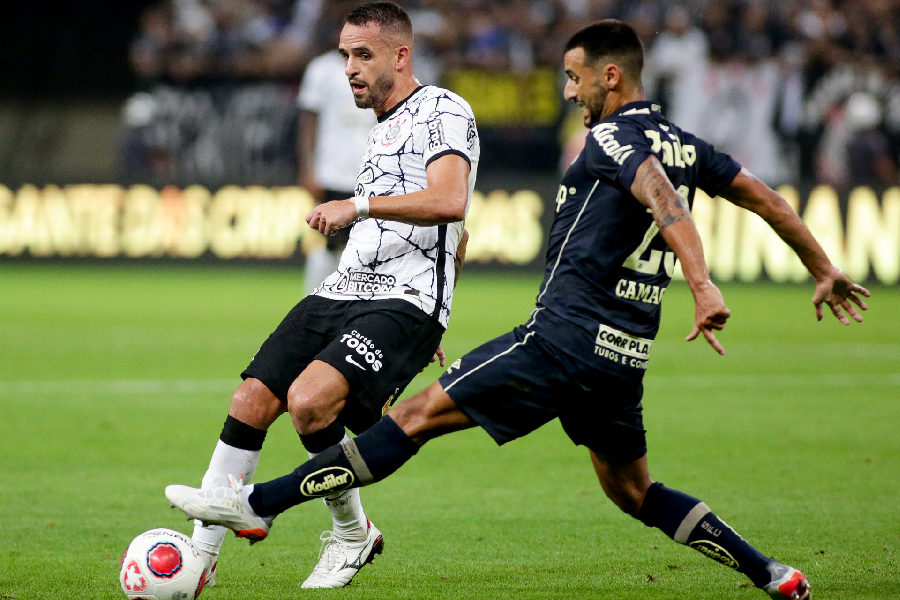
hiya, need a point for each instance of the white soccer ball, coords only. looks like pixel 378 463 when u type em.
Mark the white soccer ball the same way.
pixel 162 564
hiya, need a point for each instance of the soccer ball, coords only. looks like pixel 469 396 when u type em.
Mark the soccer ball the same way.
pixel 162 564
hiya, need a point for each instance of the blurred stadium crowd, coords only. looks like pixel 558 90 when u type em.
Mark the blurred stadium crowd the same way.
pixel 819 76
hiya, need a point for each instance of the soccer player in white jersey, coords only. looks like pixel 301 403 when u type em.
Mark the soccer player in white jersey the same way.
pixel 344 354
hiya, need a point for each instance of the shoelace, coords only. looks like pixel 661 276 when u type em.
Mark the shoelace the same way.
pixel 328 550
pixel 236 486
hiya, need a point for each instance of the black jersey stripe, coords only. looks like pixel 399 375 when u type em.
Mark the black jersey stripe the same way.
pixel 566 241
pixel 441 262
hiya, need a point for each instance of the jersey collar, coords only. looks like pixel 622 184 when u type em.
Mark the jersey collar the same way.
pixel 633 108
pixel 397 106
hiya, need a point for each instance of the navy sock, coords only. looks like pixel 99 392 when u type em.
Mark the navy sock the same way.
pixel 689 521
pixel 367 458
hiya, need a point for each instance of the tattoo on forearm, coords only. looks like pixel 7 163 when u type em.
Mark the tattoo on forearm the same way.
pixel 668 207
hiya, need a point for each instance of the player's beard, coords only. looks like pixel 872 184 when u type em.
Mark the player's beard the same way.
pixel 593 106
pixel 376 93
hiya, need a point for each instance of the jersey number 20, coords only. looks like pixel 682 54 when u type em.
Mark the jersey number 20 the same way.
pixel 650 266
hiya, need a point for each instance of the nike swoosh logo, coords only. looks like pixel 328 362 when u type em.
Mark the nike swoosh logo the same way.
pixel 353 362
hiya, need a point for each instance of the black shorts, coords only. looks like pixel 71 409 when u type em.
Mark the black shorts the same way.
pixel 378 345
pixel 517 382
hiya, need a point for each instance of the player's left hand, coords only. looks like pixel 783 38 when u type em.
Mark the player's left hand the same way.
pixel 327 218
pixel 837 291
pixel 439 356
pixel 711 313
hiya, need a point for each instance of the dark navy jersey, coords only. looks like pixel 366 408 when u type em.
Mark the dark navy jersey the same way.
pixel 607 264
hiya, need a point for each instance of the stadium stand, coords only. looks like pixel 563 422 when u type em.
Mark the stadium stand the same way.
pixel 789 64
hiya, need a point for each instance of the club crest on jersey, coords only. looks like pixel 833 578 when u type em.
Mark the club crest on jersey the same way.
pixel 393 131
pixel 164 559
pixel 325 481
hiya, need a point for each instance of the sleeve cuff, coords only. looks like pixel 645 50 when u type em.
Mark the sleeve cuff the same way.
pixel 438 155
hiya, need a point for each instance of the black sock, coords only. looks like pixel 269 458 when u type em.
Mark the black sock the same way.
pixel 240 435
pixel 367 458
pixel 689 521
pixel 320 440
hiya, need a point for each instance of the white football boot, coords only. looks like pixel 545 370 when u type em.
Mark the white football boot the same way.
pixel 787 583
pixel 340 561
pixel 226 506
pixel 212 563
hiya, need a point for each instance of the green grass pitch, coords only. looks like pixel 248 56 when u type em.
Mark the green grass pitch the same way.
pixel 115 381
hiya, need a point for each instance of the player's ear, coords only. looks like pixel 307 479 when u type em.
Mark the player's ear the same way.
pixel 403 58
pixel 611 76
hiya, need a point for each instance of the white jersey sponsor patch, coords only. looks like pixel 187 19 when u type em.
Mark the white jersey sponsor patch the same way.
pixel 622 343
pixel 388 259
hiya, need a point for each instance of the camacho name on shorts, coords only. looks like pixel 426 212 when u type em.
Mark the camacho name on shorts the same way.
pixel 622 348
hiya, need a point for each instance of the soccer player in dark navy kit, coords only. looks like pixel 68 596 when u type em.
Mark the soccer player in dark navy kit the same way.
pixel 622 217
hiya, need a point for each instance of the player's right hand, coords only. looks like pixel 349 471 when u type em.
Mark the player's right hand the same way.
pixel 327 218
pixel 711 313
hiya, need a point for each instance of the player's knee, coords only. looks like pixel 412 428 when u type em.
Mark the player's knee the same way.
pixel 411 414
pixel 428 414
pixel 311 413
pixel 305 413
pixel 254 404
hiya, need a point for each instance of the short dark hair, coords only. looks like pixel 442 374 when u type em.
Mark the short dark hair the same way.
pixel 613 40
pixel 389 16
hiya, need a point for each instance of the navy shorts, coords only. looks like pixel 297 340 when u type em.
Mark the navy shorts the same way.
pixel 517 382
pixel 378 345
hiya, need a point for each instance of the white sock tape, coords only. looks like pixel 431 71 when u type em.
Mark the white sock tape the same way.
pixel 362 206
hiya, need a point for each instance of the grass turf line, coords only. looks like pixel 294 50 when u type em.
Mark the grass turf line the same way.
pixel 115 382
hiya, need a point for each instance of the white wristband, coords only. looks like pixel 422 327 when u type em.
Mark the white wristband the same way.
pixel 362 206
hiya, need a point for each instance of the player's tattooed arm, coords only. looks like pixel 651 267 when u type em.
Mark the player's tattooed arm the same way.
pixel 833 286
pixel 653 189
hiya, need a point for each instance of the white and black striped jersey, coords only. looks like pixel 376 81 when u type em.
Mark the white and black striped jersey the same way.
pixel 388 259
